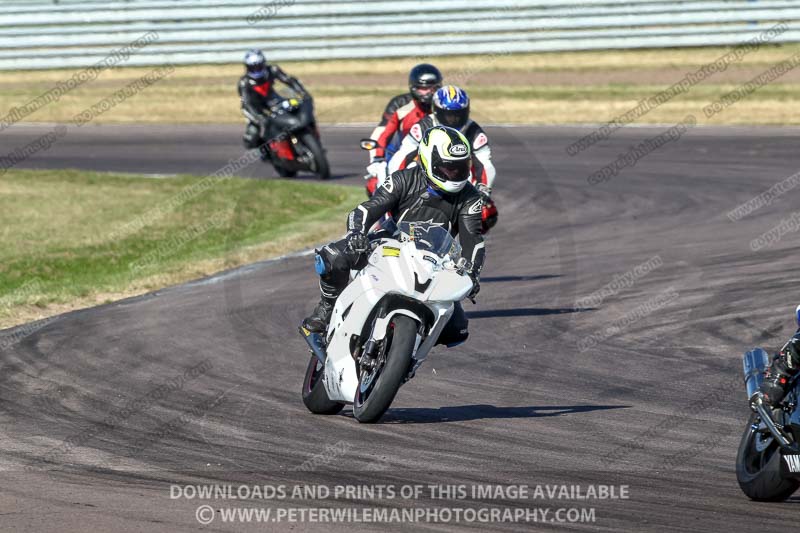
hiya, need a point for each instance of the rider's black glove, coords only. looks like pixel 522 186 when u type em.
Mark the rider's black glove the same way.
pixel 476 287
pixel 357 243
pixel 485 191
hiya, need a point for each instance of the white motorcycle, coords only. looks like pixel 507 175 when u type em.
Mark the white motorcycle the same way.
pixel 386 321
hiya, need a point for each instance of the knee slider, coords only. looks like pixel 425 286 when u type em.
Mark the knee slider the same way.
pixel 329 261
pixel 251 138
pixel 319 265
pixel 250 142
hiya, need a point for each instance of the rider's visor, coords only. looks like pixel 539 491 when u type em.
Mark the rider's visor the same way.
pixel 257 70
pixel 448 170
pixel 453 118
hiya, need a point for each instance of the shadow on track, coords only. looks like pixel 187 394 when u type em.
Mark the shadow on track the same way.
pixel 490 279
pixel 525 311
pixel 462 413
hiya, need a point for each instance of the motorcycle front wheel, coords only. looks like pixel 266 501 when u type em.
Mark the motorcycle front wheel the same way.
pixel 758 467
pixel 315 397
pixel 320 162
pixel 378 387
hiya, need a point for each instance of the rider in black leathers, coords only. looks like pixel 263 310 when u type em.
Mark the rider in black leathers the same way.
pixel 437 191
pixel 784 367
pixel 258 95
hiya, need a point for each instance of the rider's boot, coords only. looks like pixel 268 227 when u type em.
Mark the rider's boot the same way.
pixel 317 321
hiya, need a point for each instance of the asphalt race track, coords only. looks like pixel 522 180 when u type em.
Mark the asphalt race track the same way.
pixel 102 410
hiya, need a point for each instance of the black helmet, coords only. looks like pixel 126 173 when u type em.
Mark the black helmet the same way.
pixel 256 64
pixel 423 81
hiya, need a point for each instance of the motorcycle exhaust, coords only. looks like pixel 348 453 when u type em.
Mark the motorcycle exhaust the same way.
pixel 766 417
pixel 755 363
pixel 315 343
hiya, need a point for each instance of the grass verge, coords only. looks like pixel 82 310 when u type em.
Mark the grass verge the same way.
pixel 67 242
pixel 544 88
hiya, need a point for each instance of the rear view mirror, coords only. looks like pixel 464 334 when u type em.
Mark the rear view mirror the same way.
pixel 368 144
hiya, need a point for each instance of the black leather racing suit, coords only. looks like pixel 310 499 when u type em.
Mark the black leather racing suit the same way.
pixel 409 197
pixel 258 96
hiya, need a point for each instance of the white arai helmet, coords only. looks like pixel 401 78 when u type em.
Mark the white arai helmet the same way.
pixel 446 157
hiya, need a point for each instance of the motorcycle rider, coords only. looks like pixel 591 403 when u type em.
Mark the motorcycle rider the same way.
pixel 257 93
pixel 436 191
pixel 402 112
pixel 451 108
pixel 780 372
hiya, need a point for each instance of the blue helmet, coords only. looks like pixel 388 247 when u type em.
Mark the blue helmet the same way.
pixel 451 106
pixel 256 64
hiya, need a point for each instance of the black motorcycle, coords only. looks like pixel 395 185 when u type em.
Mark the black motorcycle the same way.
pixel 297 145
pixel 768 460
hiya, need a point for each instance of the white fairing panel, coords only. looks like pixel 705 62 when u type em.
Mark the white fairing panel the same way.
pixel 393 267
pixel 449 286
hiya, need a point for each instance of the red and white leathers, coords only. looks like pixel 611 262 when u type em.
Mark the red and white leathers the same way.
pixel 483 170
pixel 402 112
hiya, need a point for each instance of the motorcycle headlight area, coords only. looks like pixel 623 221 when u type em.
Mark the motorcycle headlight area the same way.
pixel 428 262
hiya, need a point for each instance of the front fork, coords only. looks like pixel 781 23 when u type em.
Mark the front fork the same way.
pixel 763 411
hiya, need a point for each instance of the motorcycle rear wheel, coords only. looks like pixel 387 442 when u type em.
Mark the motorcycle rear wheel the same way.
pixel 315 397
pixel 758 467
pixel 374 398
pixel 321 167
